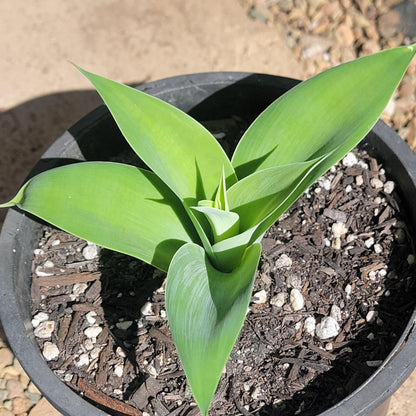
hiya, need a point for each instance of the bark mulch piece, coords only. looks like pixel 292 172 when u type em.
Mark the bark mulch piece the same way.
pixel 344 245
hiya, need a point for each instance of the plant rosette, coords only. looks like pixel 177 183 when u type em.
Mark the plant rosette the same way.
pixel 199 215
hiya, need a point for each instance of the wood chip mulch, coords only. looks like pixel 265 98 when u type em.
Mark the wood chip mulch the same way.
pixel 344 247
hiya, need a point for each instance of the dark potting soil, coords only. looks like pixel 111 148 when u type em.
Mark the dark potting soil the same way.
pixel 343 251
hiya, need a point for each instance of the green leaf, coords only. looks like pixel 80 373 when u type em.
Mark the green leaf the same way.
pixel 117 206
pixel 174 145
pixel 257 195
pixel 206 310
pixel 334 109
pixel 224 224
pixel 221 201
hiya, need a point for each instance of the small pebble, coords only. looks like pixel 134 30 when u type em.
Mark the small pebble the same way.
pixel 90 316
pixel 296 299
pixel 124 325
pixel 50 351
pixel 349 160
pixel 336 313
pixel 82 360
pixel 369 242
pixel 38 318
pixel 338 229
pixel 118 370
pixel 90 252
pixel 378 249
pixel 48 264
pixel 39 272
pixel 359 180
pixel 120 352
pixel 294 280
pixel 151 370
pixel 283 261
pixel 95 353
pixel 410 259
pixel 44 329
pixel 68 377
pixel 327 328
pixel 370 336
pixel 376 183
pixel 348 289
pixel 146 309
pixel 348 189
pixel 88 344
pixel 388 187
pixel 371 316
pixel 55 243
pixel 79 288
pixel 93 331
pixel 309 325
pixel 278 300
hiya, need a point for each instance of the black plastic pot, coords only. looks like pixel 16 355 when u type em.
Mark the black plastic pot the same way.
pixel 95 137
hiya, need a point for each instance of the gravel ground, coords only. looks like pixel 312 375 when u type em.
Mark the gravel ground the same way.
pixel 324 33
pixel 321 34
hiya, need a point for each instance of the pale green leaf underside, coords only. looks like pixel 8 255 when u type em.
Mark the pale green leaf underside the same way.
pixel 256 195
pixel 206 310
pixel 117 206
pixel 224 224
pixel 334 109
pixel 174 145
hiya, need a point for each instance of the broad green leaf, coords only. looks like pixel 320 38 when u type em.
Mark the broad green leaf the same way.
pixel 117 206
pixel 257 195
pixel 174 145
pixel 224 224
pixel 206 310
pixel 334 109
pixel 288 196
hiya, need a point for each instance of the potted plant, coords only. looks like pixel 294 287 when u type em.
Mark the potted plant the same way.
pixel 207 213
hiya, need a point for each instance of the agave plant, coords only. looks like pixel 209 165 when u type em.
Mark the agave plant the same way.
pixel 200 216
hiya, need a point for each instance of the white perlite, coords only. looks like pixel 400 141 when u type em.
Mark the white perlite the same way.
pixel 338 229
pixel 376 183
pixel 336 313
pixel 118 370
pixel 296 300
pixel 147 309
pixel 44 329
pixel 260 297
pixel 90 252
pixel 83 360
pixel 369 242
pixel 371 316
pixel 278 300
pixel 309 325
pixel 79 288
pixel 38 318
pixel 93 331
pixel 378 248
pixel 388 187
pixel 349 160
pixel 327 328
pixel 283 261
pixel 50 351
pixel 91 317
